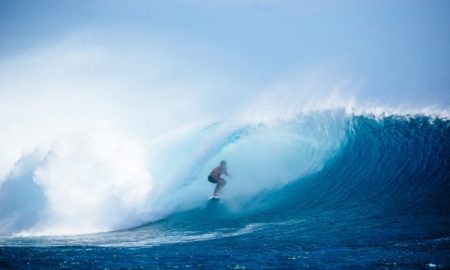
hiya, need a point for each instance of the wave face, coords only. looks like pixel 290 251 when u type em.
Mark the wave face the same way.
pixel 398 166
pixel 390 167
pixel 388 172
pixel 316 184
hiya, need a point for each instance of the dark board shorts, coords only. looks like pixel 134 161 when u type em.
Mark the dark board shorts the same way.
pixel 212 180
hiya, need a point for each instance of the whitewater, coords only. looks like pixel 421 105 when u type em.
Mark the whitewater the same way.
pixel 310 189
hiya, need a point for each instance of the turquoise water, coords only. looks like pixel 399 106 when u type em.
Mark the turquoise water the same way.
pixel 323 191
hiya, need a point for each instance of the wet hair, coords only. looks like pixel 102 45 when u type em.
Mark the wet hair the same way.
pixel 223 162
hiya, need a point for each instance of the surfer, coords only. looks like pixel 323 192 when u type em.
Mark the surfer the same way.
pixel 214 177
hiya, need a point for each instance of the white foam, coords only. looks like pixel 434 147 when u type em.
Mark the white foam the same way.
pixel 92 182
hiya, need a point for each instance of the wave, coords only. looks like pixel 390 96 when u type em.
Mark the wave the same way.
pixel 395 166
pixel 387 172
pixel 388 168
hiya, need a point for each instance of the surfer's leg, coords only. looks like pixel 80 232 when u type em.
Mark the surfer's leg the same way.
pixel 219 186
pixel 216 190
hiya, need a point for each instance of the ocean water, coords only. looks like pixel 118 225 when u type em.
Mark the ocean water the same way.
pixel 321 190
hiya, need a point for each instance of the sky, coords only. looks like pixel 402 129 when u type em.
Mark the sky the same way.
pixel 398 50
pixel 148 67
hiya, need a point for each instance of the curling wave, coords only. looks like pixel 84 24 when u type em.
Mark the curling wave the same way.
pixel 387 169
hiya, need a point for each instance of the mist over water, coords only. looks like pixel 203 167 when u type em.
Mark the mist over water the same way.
pixel 102 152
pixel 333 120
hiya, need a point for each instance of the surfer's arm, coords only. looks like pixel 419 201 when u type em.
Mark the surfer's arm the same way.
pixel 227 174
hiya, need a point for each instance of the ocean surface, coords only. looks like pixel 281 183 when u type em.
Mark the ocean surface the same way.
pixel 324 190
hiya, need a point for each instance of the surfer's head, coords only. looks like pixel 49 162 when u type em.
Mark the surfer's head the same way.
pixel 223 163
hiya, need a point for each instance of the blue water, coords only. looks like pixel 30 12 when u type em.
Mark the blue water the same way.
pixel 378 197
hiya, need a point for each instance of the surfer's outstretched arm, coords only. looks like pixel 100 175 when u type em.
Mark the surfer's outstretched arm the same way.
pixel 227 174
